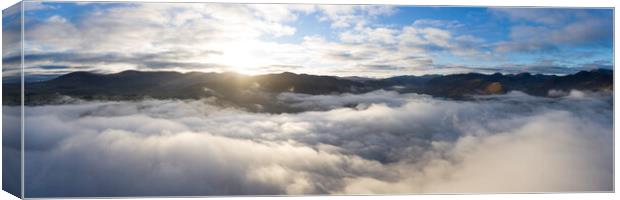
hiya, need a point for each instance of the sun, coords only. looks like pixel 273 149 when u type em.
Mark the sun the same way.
pixel 242 58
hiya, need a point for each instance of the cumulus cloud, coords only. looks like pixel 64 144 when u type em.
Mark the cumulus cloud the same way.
pixel 119 37
pixel 375 143
pixel 253 38
pixel 412 49
pixel 140 27
pixel 356 16
pixel 231 37
pixel 129 31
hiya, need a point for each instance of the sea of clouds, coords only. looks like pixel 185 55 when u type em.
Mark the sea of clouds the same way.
pixel 380 142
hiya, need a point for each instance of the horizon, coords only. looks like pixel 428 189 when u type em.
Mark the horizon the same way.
pixel 33 79
pixel 375 41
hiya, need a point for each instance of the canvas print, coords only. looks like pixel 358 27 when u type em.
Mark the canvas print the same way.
pixel 135 99
pixel 11 101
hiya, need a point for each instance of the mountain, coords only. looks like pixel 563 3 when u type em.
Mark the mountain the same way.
pixel 246 90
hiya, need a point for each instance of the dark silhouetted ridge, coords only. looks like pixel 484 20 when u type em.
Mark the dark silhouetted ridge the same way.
pixel 240 88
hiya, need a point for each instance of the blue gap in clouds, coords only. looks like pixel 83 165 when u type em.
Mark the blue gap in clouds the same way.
pixel 306 25
pixel 68 10
pixel 476 21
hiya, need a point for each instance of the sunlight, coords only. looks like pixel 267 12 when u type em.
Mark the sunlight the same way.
pixel 242 57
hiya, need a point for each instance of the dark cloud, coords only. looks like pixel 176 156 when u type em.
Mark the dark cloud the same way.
pixel 378 67
pixel 52 67
pixel 11 42
pixel 598 64
pixel 49 65
pixel 379 142
pixel 345 56
pixel 79 61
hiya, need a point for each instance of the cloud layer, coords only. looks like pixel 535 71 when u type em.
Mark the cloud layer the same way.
pixel 344 40
pixel 375 143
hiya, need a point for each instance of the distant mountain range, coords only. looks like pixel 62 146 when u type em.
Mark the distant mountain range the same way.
pixel 242 89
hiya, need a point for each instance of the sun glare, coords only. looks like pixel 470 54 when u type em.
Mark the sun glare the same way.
pixel 241 57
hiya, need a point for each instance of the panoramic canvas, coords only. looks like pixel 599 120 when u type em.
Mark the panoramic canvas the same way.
pixel 131 99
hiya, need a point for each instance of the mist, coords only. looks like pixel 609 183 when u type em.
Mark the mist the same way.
pixel 380 142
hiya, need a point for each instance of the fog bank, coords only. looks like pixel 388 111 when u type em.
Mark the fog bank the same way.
pixel 375 143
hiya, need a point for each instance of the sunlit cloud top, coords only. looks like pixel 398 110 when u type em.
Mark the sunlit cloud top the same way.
pixel 343 40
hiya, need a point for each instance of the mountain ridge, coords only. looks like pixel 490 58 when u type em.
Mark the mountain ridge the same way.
pixel 247 89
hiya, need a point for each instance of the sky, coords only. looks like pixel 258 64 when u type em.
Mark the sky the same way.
pixel 341 40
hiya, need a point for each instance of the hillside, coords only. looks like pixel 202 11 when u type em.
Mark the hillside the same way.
pixel 248 90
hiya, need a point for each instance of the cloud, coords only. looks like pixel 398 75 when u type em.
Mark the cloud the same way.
pixel 598 64
pixel 252 38
pixel 487 164
pixel 327 102
pixel 11 31
pixel 555 28
pixel 11 149
pixel 538 15
pixel 416 38
pixel 412 49
pixel 11 43
pixel 117 38
pixel 28 6
pixel 448 24
pixel 141 27
pixel 58 63
pixel 356 16
pixel 374 143
pixel 157 29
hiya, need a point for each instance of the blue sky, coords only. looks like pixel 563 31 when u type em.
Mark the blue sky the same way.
pixel 344 40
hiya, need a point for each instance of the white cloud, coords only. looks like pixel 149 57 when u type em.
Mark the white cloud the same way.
pixel 280 13
pixel 437 36
pixel 357 16
pixel 242 37
pixel 384 143
pixel 236 32
pixel 156 28
pixel 253 38
pixel 407 50
pixel 11 42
